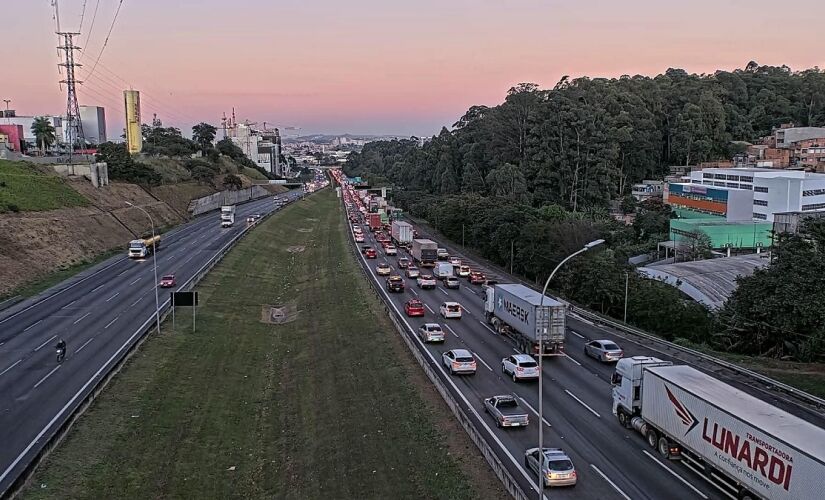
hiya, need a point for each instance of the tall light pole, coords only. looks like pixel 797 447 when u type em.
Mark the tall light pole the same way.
pixel 8 118
pixel 545 322
pixel 154 262
pixel 626 285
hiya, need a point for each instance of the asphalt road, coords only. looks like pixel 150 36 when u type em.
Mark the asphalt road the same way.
pixel 100 314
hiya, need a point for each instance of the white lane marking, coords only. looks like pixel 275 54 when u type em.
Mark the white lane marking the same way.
pixel 41 346
pixel 113 296
pixel 78 320
pixel 47 376
pixel 482 361
pixel 122 272
pixel 10 367
pixel 571 359
pixel 429 309
pixel 69 304
pixel 132 283
pixel 534 411
pixel 33 325
pixel 487 327
pixel 577 334
pixel 582 403
pixel 443 291
pixel 97 288
pixel 84 345
pixel 451 330
pixel 677 476
pixel 110 323
pixel 187 260
pixel 622 493
pixel 135 302
pixel 413 291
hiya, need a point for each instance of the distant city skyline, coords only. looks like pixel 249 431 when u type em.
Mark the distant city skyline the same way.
pixel 370 67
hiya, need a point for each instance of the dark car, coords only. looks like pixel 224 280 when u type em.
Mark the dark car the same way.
pixel 395 284
pixel 168 281
pixel 370 253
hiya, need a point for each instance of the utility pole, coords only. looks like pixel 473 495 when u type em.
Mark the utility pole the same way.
pixel 626 284
pixel 512 244
pixel 74 130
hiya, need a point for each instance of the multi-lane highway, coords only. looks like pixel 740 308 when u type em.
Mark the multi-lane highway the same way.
pixel 100 314
pixel 612 462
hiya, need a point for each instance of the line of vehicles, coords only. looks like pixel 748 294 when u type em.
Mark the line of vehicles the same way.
pixel 748 448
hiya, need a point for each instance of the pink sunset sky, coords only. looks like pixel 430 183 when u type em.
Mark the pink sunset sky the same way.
pixel 378 66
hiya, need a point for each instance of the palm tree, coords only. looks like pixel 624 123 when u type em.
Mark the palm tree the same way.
pixel 43 132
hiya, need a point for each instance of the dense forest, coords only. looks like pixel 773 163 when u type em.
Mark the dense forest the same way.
pixel 526 182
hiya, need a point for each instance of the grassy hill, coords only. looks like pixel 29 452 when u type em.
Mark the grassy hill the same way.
pixel 28 187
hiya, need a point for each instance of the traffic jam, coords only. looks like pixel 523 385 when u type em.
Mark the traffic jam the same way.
pixel 483 334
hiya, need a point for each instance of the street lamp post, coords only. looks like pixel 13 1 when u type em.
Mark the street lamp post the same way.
pixel 626 285
pixel 585 248
pixel 154 262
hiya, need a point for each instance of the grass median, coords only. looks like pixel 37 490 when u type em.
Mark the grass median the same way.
pixel 325 406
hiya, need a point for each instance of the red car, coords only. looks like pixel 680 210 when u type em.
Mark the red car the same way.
pixel 168 281
pixel 414 307
pixel 476 278
pixel 370 253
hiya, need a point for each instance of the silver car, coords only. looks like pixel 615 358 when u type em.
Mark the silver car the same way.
pixel 556 469
pixel 431 332
pixel 605 351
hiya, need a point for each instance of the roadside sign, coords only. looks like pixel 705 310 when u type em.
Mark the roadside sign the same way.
pixel 184 299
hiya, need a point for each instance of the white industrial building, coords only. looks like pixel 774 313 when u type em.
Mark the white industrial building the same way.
pixel 93 120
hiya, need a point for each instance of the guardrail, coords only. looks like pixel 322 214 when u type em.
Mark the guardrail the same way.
pixel 5 304
pixel 118 360
pixel 799 395
pixel 487 452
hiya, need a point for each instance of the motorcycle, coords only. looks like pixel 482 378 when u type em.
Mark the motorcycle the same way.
pixel 61 353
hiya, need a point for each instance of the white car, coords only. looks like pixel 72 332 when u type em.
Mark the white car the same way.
pixel 520 366
pixel 357 229
pixel 359 238
pixel 442 254
pixel 459 361
pixel 450 310
pixel 431 332
pixel 412 271
pixel 455 261
pixel 391 250
pixel 464 271
pixel 426 280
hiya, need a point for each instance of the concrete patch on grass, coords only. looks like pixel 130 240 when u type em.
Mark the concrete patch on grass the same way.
pixel 304 229
pixel 296 249
pixel 279 314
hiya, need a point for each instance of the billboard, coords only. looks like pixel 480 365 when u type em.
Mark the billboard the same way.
pixel 134 135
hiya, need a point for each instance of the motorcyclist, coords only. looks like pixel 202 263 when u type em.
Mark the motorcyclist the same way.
pixel 61 348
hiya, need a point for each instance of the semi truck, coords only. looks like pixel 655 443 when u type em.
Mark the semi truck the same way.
pixel 139 249
pixel 401 233
pixel 423 252
pixel 748 448
pixel 375 222
pixel 227 215
pixel 519 313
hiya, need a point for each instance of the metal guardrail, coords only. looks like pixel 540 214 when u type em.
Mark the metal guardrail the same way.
pixel 5 304
pixel 487 452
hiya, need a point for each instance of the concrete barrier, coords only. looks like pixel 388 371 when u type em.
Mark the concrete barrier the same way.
pixel 215 201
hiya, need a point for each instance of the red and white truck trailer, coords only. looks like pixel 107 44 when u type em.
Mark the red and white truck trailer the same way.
pixel 745 446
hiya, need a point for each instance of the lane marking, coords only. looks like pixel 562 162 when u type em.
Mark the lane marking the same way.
pixel 47 376
pixel 97 288
pixel 482 361
pixel 187 260
pixel 113 296
pixel 110 323
pixel 132 283
pixel 486 326
pixel 577 334
pixel 622 493
pixel 69 304
pixel 534 411
pixel 443 291
pixel 677 476
pixel 413 291
pixel 41 346
pixel 78 320
pixel 135 302
pixel 429 308
pixel 10 367
pixel 84 345
pixel 582 403
pixel 571 359
pixel 33 325
pixel 451 330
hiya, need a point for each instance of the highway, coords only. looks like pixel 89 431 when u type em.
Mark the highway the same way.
pixel 611 461
pixel 100 314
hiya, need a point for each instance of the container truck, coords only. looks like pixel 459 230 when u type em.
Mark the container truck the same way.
pixel 375 222
pixel 423 252
pixel 139 249
pixel 749 448
pixel 518 312
pixel 401 233
pixel 227 215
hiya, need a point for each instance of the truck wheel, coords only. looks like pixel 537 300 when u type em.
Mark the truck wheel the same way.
pixel 623 419
pixel 664 447
pixel 652 438
pixel 746 495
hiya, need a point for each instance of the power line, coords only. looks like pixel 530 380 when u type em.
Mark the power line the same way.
pixel 106 41
pixel 82 15
pixel 91 26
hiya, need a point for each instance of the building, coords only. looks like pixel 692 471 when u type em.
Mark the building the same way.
pixel 134 132
pixel 93 120
pixel 809 154
pixel 647 189
pixel 722 234
pixel 791 222
pixel 695 201
pixel 25 122
pixel 786 136
pixel 15 137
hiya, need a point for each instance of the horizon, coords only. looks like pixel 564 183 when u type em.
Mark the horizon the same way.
pixel 371 68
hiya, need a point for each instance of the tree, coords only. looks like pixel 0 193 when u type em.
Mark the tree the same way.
pixel 232 182
pixel 44 133
pixel 123 167
pixel 204 134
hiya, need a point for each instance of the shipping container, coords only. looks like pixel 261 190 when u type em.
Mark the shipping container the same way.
pixel 401 233
pixel 519 312
pixel 423 252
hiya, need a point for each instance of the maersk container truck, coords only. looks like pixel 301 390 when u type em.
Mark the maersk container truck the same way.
pixel 423 252
pixel 747 447
pixel 519 313
pixel 401 233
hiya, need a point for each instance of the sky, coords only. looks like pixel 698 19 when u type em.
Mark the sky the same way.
pixel 375 67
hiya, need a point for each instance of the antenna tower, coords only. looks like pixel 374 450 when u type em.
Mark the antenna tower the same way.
pixel 74 130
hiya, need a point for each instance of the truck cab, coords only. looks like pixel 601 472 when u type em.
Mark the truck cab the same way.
pixel 627 385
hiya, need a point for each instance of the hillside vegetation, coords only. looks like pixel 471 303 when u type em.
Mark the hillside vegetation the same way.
pixel 27 187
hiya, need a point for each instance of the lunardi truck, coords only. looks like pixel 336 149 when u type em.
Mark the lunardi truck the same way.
pixel 423 252
pixel 401 233
pixel 750 449
pixel 519 313
pixel 139 249
pixel 227 215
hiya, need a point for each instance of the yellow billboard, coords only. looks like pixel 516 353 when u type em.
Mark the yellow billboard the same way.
pixel 134 135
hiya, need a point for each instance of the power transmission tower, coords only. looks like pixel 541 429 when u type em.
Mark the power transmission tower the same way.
pixel 74 130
